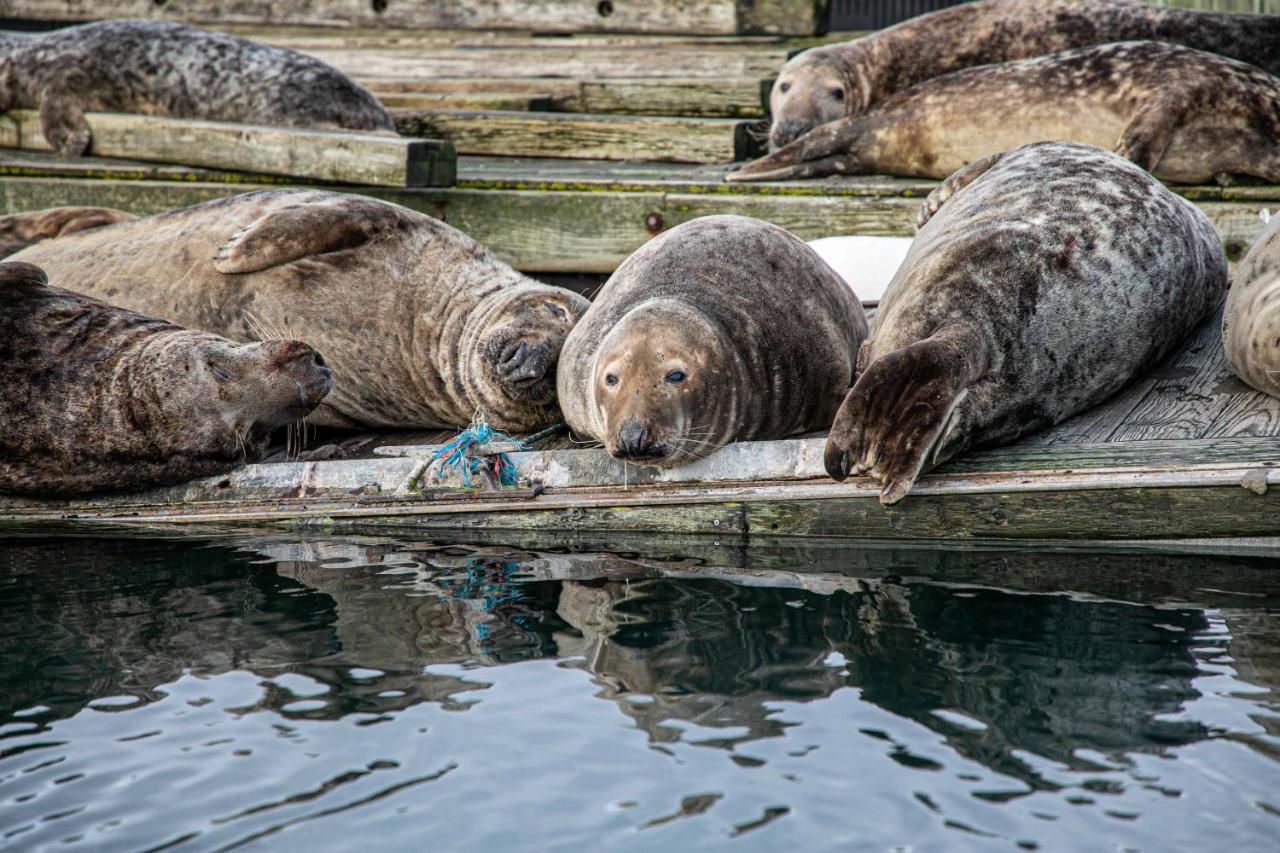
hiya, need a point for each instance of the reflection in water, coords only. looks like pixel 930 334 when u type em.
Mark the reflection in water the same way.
pixel 834 681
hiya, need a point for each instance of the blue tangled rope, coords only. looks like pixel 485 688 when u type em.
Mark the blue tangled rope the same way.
pixel 454 455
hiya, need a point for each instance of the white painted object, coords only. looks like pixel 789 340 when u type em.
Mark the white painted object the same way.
pixel 867 264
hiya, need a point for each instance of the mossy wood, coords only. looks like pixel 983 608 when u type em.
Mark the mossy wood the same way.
pixel 594 137
pixel 353 158
pixel 791 17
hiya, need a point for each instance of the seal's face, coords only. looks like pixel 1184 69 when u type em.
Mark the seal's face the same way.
pixel 811 90
pixel 657 390
pixel 225 392
pixel 518 350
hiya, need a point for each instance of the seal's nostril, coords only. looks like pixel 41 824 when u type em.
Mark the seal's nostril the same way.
pixel 319 360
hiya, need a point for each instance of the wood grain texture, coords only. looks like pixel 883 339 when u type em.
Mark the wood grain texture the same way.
pixel 508 101
pixel 728 97
pixel 353 158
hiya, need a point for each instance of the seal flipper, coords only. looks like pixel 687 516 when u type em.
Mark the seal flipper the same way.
pixel 62 115
pixel 303 230
pixel 897 418
pixel 825 150
pixel 952 184
pixel 20 280
pixel 1149 133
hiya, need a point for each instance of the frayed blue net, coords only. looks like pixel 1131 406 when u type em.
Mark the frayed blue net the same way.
pixel 455 455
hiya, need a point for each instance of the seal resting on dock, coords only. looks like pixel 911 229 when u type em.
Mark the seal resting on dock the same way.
pixel 20 230
pixel 723 329
pixel 1042 280
pixel 825 83
pixel 167 69
pixel 1251 319
pixel 1182 114
pixel 97 398
pixel 422 325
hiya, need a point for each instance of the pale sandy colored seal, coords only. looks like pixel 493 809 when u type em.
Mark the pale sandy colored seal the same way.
pixel 97 398
pixel 1183 114
pixel 166 69
pixel 422 325
pixel 1041 281
pixel 826 83
pixel 722 329
pixel 1251 319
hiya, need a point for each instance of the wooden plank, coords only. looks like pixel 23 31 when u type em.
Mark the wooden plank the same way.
pixel 1248 413
pixel 383 38
pixel 552 87
pixel 509 101
pixel 354 158
pixel 790 17
pixel 729 97
pixel 680 140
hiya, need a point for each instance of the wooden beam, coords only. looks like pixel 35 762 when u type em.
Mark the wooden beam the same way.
pixel 508 101
pixel 353 158
pixel 594 137
pixel 729 97
pixel 788 17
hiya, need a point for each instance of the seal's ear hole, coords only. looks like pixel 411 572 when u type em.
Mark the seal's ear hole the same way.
pixel 610 380
pixel 556 311
pixel 304 230
pixel 675 377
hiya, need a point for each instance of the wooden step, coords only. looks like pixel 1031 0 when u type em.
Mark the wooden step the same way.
pixel 597 137
pixel 508 101
pixel 354 158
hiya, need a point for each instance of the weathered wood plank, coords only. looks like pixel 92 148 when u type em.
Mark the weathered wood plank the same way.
pixel 607 137
pixel 553 87
pixel 729 97
pixel 1248 413
pixel 344 157
pixel 382 38
pixel 508 101
pixel 790 17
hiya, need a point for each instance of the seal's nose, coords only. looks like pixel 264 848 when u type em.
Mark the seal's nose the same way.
pixel 520 362
pixel 634 441
pixel 788 131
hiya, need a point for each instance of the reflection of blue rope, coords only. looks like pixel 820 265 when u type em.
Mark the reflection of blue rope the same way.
pixel 455 455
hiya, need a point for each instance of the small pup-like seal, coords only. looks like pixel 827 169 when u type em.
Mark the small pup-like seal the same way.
pixel 1251 319
pixel 422 325
pixel 1182 114
pixel 1041 281
pixel 825 83
pixel 97 398
pixel 723 329
pixel 166 69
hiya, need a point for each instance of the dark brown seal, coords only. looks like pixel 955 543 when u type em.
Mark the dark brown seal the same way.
pixel 1183 114
pixel 1251 320
pixel 166 69
pixel 422 325
pixel 1041 281
pixel 826 83
pixel 722 329
pixel 21 230
pixel 97 398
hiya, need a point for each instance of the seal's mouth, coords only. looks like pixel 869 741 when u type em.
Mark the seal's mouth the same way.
pixel 786 132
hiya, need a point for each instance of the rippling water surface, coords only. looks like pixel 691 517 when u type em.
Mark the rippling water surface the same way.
pixel 361 693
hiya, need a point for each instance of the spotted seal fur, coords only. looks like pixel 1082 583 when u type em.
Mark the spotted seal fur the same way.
pixel 1184 114
pixel 422 325
pixel 825 83
pixel 722 329
pixel 1042 280
pixel 167 69
pixel 1251 319
pixel 96 398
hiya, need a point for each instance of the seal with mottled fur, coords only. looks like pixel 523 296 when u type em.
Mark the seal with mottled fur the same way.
pixel 166 69
pixel 422 325
pixel 1251 319
pixel 21 230
pixel 722 329
pixel 1182 114
pixel 1042 280
pixel 96 398
pixel 825 83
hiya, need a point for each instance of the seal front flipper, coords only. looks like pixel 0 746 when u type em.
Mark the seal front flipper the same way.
pixel 22 280
pixel 1149 133
pixel 826 150
pixel 20 230
pixel 897 420
pixel 304 230
pixel 62 114
pixel 951 185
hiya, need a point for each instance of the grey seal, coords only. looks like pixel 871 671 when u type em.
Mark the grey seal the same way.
pixel 723 329
pixel 825 83
pixel 96 398
pixel 167 69
pixel 422 325
pixel 1042 280
pixel 1183 114
pixel 1251 319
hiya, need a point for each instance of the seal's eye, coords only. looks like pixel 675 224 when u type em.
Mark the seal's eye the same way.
pixel 556 311
pixel 676 376
pixel 220 372
pixel 838 94
pixel 784 88
pixel 610 380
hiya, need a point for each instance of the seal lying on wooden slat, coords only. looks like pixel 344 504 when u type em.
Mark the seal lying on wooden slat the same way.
pixel 1042 280
pixel 166 69
pixel 1183 114
pixel 422 325
pixel 20 230
pixel 722 329
pixel 1251 320
pixel 825 83
pixel 98 398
